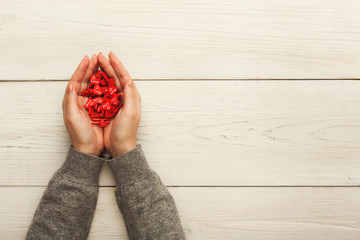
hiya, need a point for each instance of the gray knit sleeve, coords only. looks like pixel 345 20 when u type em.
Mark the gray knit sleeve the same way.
pixel 68 203
pixel 148 208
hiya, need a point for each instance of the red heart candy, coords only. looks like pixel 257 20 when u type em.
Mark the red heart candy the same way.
pixel 104 99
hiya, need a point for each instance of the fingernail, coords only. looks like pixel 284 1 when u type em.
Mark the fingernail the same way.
pixel 130 82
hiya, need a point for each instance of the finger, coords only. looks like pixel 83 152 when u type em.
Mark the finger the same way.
pixel 119 68
pixel 106 66
pixel 90 70
pixel 79 73
pixel 70 100
pixel 96 66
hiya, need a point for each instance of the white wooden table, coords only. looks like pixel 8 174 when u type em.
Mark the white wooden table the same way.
pixel 251 110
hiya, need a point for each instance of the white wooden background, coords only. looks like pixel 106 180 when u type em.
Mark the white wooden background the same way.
pixel 251 110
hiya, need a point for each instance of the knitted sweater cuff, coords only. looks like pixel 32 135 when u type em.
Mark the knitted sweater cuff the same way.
pixel 82 168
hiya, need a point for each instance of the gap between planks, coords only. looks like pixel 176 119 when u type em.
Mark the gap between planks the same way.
pixel 205 79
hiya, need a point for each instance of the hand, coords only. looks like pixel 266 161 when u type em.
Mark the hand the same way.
pixel 85 137
pixel 120 134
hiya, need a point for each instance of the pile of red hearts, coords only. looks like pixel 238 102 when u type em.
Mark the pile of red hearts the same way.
pixel 104 99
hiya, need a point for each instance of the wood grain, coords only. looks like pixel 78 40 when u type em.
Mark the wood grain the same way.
pixel 203 133
pixel 217 213
pixel 189 39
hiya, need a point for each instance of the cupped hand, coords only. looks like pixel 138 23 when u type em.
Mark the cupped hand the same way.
pixel 120 134
pixel 85 137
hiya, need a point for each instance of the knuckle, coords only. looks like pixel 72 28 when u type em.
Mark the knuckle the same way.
pixel 127 77
pixel 133 115
pixel 116 64
pixel 69 118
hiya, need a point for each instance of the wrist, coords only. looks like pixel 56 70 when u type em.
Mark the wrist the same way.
pixel 88 150
pixel 121 149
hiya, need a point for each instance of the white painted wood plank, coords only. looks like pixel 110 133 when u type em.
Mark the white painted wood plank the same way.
pixel 217 213
pixel 165 39
pixel 213 133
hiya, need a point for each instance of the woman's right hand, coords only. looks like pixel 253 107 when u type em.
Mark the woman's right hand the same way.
pixel 120 134
pixel 85 137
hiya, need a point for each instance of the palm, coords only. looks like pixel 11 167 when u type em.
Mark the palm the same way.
pixel 113 133
pixel 108 133
pixel 84 123
pixel 120 134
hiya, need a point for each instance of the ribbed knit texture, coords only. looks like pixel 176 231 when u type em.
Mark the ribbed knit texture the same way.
pixel 68 203
pixel 148 208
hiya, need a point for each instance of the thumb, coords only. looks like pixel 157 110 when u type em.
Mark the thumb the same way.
pixel 70 100
pixel 131 98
